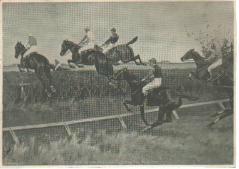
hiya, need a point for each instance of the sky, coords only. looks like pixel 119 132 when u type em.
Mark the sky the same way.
pixel 160 26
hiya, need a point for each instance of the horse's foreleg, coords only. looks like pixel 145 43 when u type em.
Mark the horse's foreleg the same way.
pixel 137 57
pixel 140 61
pixel 40 74
pixel 126 102
pixel 49 77
pixel 20 68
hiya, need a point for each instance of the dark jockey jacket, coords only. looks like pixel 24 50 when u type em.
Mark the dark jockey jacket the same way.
pixel 157 71
pixel 112 39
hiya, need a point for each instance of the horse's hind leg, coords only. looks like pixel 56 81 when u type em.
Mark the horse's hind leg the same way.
pixel 137 57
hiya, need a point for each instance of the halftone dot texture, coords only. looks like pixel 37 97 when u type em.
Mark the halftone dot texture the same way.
pixel 164 32
pixel 161 27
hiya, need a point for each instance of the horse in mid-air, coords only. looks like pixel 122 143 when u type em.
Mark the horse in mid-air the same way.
pixel 123 53
pixel 157 97
pixel 40 64
pixel 222 78
pixel 201 72
pixel 88 57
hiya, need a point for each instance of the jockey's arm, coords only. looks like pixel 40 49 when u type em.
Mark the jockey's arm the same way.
pixel 149 76
pixel 107 42
pixel 27 46
pixel 83 40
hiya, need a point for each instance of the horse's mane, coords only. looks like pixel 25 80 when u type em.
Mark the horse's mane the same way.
pixel 197 54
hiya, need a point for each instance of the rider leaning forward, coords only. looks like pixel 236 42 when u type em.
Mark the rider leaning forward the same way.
pixel 215 58
pixel 111 41
pixel 31 45
pixel 217 54
pixel 88 41
pixel 156 82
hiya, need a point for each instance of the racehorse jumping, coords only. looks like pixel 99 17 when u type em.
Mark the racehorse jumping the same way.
pixel 77 58
pixel 40 64
pixel 88 57
pixel 224 75
pixel 201 73
pixel 158 97
pixel 123 53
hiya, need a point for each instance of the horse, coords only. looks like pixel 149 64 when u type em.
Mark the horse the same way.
pixel 88 57
pixel 40 64
pixel 224 77
pixel 201 73
pixel 157 97
pixel 123 53
pixel 77 58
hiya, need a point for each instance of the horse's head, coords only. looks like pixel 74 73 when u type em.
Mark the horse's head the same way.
pixel 19 48
pixel 188 55
pixel 64 47
pixel 68 45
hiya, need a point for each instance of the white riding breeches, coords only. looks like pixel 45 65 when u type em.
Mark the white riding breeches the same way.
pixel 156 83
pixel 215 64
pixel 108 47
pixel 87 46
pixel 30 50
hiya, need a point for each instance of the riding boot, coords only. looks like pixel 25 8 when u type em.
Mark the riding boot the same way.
pixel 210 76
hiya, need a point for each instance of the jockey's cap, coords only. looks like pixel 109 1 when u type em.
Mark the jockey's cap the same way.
pixel 87 28
pixel 113 30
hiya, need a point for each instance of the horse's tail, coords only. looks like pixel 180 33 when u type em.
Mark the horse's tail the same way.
pixel 132 41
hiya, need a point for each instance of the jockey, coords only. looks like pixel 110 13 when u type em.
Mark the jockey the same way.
pixel 112 41
pixel 155 83
pixel 215 58
pixel 88 41
pixel 31 45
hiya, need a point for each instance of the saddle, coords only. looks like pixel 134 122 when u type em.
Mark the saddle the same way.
pixel 87 51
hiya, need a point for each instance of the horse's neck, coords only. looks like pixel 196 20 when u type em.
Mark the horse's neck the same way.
pixel 23 52
pixel 199 60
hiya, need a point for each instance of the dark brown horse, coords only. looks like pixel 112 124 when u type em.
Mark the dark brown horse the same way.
pixel 123 53
pixel 88 57
pixel 40 64
pixel 223 76
pixel 201 73
pixel 84 57
pixel 158 97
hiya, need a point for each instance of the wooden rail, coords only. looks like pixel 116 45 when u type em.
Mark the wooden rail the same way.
pixel 86 120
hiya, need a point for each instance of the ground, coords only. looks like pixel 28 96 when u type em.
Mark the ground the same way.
pixel 184 141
